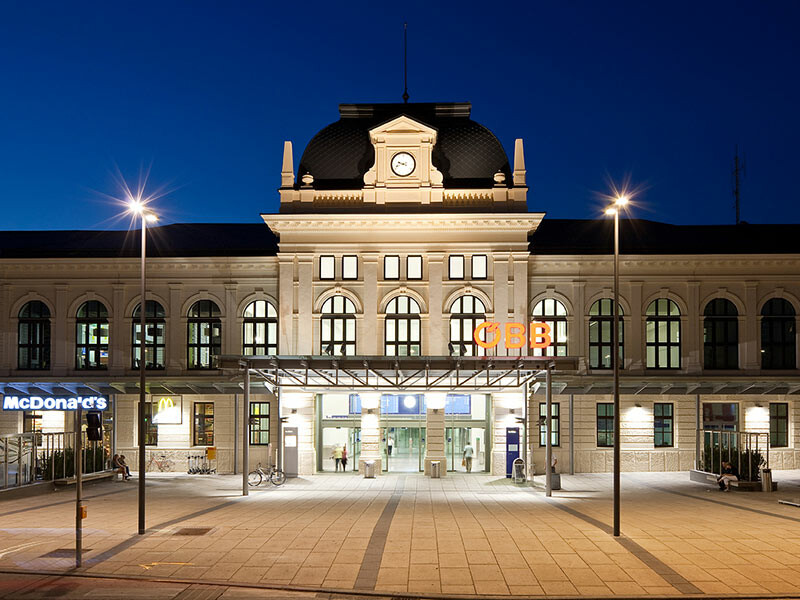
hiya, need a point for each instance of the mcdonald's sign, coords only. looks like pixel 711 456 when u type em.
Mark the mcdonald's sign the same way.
pixel 166 410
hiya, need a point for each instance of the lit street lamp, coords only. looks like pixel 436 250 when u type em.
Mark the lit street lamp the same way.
pixel 614 209
pixel 137 207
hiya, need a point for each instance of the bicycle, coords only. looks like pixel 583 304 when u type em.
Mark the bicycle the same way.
pixel 274 475
pixel 164 464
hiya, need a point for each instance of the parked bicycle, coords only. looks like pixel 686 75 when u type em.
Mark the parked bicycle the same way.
pixel 163 463
pixel 273 474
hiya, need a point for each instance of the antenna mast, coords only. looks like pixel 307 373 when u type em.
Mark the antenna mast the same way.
pixel 738 174
pixel 405 63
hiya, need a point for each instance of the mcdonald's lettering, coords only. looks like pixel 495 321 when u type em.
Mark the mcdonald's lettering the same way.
pixel 514 335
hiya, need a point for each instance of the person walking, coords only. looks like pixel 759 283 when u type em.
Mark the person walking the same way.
pixel 469 452
pixel 389 445
pixel 344 458
pixel 337 456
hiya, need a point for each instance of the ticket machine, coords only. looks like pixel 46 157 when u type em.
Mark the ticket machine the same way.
pixel 512 448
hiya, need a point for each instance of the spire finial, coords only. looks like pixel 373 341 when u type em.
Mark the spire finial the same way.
pixel 405 63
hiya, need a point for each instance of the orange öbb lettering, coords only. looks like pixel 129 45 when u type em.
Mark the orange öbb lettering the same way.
pixel 540 335
pixel 492 328
pixel 515 335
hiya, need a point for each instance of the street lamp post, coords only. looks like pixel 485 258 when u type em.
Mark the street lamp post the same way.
pixel 614 210
pixel 138 208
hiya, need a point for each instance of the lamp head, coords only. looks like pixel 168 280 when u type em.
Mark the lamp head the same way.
pixel 621 200
pixel 611 211
pixel 136 206
pixel 150 217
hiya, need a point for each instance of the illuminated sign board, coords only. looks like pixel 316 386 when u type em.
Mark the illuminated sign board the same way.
pixel 166 410
pixel 50 403
pixel 514 335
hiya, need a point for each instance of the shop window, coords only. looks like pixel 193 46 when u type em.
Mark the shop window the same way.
pixel 260 329
pixel 663 335
pixel 391 267
pixel 456 266
pixel 32 421
pixel 778 345
pixel 721 335
pixel 414 267
pixel 203 424
pixel 466 313
pixel 605 424
pixel 555 424
pixel 150 427
pixel 349 267
pixel 259 423
pixel 480 269
pixel 204 334
pixel 663 425
pixel 601 326
pixel 721 416
pixel 155 326
pixel 338 327
pixel 327 267
pixel 779 424
pixel 554 313
pixel 92 336
pixel 33 343
pixel 402 335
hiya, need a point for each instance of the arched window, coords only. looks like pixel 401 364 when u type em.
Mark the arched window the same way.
pixel 260 329
pixel 466 313
pixel 778 345
pixel 554 313
pixel 155 326
pixel 33 343
pixel 91 347
pixel 720 335
pixel 663 333
pixel 402 336
pixel 338 327
pixel 601 326
pixel 204 335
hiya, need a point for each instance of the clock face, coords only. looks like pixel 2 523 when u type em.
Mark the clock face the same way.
pixel 403 164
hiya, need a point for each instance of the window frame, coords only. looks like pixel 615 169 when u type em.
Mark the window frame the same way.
pixel 785 342
pixel 38 339
pixel 151 429
pixel 260 420
pixel 345 257
pixel 408 267
pixel 485 258
pixel 385 264
pixel 158 321
pixel 560 344
pixel 720 335
pixel 450 259
pixel 670 418
pixel 555 424
pixel 270 323
pixel 393 321
pixel 87 324
pixel 344 318
pixel 195 323
pixel 203 430
pixel 466 322
pixel 602 344
pixel 656 319
pixel 774 420
pixel 326 257
pixel 606 419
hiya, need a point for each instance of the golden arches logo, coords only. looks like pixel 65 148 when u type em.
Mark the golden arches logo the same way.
pixel 165 403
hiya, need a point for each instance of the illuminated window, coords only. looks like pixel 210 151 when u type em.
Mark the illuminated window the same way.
pixel 480 267
pixel 601 325
pixel 327 267
pixel 33 343
pixel 92 336
pixel 663 425
pixel 155 326
pixel 779 424
pixel 555 424
pixel 554 313
pixel 338 327
pixel 605 424
pixel 204 334
pixel 391 267
pixel 414 267
pixel 402 336
pixel 150 428
pixel 260 329
pixel 720 335
pixel 456 267
pixel 349 267
pixel 203 424
pixel 663 335
pixel 466 313
pixel 778 335
pixel 259 423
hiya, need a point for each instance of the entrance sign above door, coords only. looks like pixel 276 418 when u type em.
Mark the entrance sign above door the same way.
pixel 488 335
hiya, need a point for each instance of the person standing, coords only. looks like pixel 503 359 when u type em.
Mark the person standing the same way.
pixel 344 458
pixel 389 445
pixel 469 452
pixel 337 456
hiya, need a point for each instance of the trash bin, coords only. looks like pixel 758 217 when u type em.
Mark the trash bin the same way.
pixel 766 480
pixel 555 481
pixel 369 469
pixel 436 469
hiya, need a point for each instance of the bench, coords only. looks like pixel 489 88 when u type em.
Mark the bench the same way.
pixel 88 477
pixel 743 486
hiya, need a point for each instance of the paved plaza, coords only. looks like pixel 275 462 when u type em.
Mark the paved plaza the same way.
pixel 410 535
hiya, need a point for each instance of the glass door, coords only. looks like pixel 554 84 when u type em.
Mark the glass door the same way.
pixel 462 443
pixel 403 449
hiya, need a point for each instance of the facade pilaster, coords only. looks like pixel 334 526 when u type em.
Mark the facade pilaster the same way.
pixel 693 336
pixel 305 305
pixel 286 303
pixel 577 345
pixel 368 342
pixel 7 336
pixel 634 338
pixel 500 290
pixel 435 440
pixel 298 409
pixel 117 345
pixel 175 333
pixel 520 305
pixel 231 336
pixel 371 438
pixel 437 336
pixel 752 357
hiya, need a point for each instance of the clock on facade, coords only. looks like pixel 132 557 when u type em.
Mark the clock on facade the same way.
pixel 403 164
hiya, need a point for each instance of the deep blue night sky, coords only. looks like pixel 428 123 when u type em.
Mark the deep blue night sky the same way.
pixel 207 92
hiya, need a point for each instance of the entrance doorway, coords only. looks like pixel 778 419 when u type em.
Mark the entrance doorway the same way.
pixel 457 439
pixel 340 436
pixel 403 449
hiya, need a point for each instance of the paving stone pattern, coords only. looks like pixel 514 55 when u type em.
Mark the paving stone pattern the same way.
pixel 408 534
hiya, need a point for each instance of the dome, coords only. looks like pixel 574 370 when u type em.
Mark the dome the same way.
pixel 466 153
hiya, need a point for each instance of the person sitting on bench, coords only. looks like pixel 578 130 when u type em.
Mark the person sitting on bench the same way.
pixel 120 467
pixel 728 474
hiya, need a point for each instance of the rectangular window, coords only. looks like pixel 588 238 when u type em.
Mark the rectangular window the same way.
pixel 555 427
pixel 150 428
pixel 203 424
pixel 259 423
pixel 327 267
pixel 456 267
pixel 391 267
pixel 350 267
pixel 663 425
pixel 605 424
pixel 721 416
pixel 414 267
pixel 778 424
pixel 480 266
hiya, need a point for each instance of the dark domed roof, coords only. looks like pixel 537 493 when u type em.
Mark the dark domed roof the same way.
pixel 467 154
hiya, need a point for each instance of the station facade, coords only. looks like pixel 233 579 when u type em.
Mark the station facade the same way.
pixel 406 227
